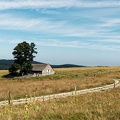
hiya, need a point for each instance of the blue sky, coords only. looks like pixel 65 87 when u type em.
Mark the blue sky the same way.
pixel 84 32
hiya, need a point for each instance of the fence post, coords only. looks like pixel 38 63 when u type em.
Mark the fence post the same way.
pixel 114 84
pixel 43 98
pixel 54 97
pixel 49 98
pixel 75 90
pixel 9 97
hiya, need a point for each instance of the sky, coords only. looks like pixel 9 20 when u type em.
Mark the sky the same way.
pixel 83 32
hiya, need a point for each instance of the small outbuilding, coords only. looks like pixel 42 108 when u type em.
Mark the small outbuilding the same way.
pixel 42 70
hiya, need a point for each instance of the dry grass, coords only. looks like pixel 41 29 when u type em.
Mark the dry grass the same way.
pixel 64 80
pixel 95 106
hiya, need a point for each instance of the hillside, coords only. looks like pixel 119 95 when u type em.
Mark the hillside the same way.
pixel 66 66
pixel 4 64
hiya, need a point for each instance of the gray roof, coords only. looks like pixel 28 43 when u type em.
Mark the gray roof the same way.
pixel 38 67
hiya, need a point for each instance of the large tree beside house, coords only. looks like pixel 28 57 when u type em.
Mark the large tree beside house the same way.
pixel 23 58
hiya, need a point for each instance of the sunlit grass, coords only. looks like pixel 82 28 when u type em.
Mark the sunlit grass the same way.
pixel 64 80
pixel 95 106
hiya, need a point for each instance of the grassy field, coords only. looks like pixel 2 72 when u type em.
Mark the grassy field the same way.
pixel 95 106
pixel 64 80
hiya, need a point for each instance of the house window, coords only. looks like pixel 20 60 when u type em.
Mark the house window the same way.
pixel 48 70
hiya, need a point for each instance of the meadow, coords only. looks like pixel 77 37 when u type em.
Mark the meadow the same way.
pixel 64 80
pixel 95 106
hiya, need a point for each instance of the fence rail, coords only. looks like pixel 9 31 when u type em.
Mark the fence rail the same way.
pixel 59 95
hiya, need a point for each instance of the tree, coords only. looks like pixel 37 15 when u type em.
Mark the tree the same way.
pixel 13 68
pixel 23 57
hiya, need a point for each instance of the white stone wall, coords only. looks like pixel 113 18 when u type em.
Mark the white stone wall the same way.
pixel 48 70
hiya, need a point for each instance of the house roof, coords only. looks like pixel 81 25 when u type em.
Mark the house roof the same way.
pixel 38 67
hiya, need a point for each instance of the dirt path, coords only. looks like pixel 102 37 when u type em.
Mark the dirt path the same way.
pixel 61 95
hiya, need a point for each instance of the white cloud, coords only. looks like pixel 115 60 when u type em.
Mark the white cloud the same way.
pixel 78 44
pixel 22 4
pixel 33 4
pixel 111 22
pixel 107 41
pixel 46 11
pixel 12 22
pixel 69 44
pixel 42 25
pixel 99 30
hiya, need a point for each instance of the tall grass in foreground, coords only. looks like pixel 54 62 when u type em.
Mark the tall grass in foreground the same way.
pixel 95 106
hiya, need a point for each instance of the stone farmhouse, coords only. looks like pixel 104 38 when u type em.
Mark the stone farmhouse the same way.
pixel 42 70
